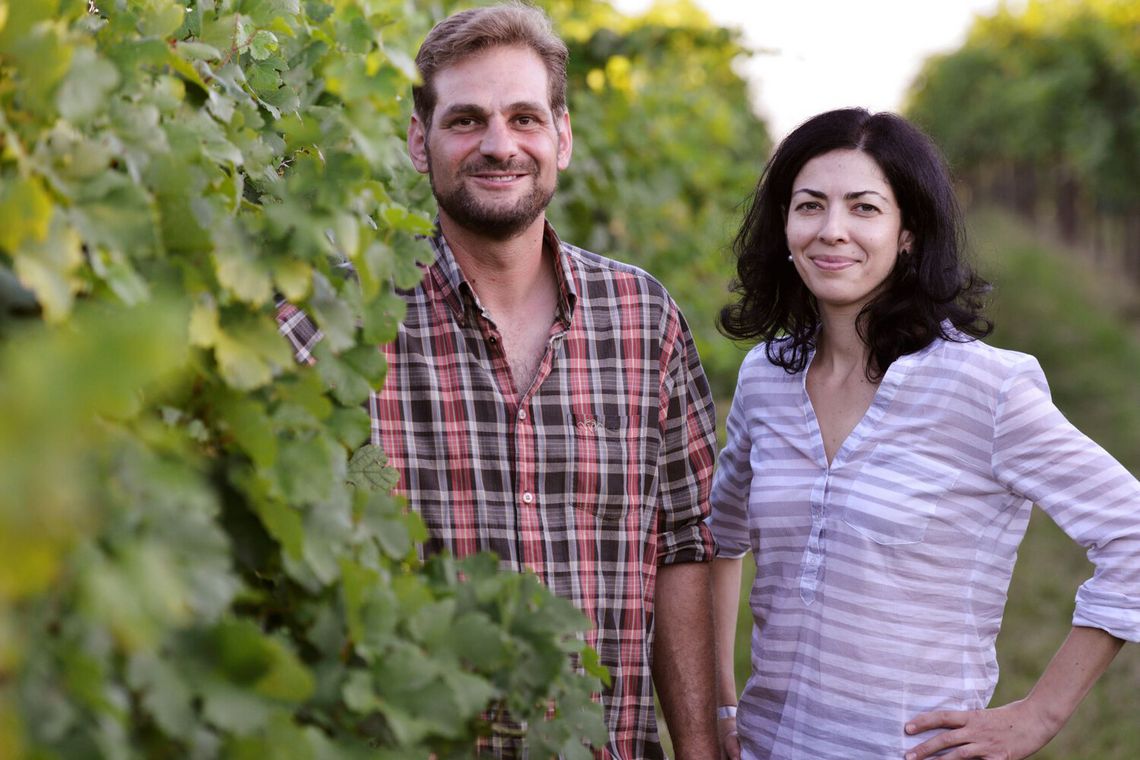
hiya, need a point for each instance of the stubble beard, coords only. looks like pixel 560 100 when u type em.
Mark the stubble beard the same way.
pixel 497 222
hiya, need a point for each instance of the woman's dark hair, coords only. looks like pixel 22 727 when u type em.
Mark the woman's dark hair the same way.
pixel 930 285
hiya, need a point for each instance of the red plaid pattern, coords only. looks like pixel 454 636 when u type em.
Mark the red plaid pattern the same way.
pixel 591 477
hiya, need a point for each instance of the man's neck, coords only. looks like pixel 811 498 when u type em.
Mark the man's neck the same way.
pixel 516 283
pixel 504 273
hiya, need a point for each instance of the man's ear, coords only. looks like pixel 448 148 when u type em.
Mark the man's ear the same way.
pixel 417 144
pixel 565 140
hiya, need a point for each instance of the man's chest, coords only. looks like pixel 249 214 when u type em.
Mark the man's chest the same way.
pixel 581 446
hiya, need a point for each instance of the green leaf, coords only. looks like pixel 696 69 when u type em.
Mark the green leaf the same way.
pixel 293 278
pixel 382 318
pixel 328 529
pixel 281 737
pixel 234 709
pixel 164 693
pixel 348 386
pixel 307 391
pixel 368 470
pixel 116 214
pixel 249 351
pixel 480 642
pixel 241 273
pixel 431 623
pixel 333 314
pixel 470 693
pixel 356 585
pixel 49 267
pixel 262 12
pixel 26 213
pixel 369 363
pixel 263 78
pixel 248 422
pixel 205 329
pixel 41 54
pixel 282 522
pixel 163 18
pixel 288 680
pixel 306 469
pixel 114 269
pixel 358 693
pixel 197 51
pixel 84 91
pixel 387 525
pixel 350 426
pixel 262 45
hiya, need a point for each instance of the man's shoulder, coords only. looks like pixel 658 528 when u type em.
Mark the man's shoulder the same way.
pixel 594 269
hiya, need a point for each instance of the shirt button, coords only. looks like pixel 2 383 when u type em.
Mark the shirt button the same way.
pixel 522 414
pixel 528 497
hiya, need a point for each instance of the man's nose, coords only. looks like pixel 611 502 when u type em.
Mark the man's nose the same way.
pixel 498 141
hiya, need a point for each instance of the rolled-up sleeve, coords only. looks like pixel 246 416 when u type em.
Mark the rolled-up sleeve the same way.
pixel 688 449
pixel 1041 456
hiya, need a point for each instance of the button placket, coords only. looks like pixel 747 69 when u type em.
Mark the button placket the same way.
pixel 812 563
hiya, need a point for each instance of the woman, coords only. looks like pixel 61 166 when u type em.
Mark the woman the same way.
pixel 881 464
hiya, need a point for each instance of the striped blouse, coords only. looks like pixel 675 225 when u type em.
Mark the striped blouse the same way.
pixel 881 579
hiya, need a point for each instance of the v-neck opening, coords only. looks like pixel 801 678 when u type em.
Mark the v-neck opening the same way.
pixel 867 423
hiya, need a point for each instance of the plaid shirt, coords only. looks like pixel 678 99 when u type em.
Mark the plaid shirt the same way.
pixel 592 477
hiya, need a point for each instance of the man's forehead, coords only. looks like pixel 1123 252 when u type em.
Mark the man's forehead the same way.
pixel 513 73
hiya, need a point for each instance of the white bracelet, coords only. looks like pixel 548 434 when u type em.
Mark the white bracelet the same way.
pixel 725 711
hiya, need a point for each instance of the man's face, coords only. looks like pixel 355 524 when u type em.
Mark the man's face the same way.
pixel 494 148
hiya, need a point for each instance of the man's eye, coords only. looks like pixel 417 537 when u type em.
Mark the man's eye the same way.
pixel 525 121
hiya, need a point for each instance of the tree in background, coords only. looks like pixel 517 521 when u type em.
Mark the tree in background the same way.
pixel 667 148
pixel 1040 109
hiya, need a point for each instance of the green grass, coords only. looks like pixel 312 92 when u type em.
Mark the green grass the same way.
pixel 1082 325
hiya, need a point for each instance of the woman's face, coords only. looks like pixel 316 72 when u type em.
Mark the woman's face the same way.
pixel 844 229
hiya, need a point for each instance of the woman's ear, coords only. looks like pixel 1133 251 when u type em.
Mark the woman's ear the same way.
pixel 906 241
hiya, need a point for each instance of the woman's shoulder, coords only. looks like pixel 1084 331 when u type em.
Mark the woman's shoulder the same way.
pixel 967 357
pixel 759 373
pixel 759 357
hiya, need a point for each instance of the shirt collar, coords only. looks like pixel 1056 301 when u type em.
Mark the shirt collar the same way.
pixel 460 297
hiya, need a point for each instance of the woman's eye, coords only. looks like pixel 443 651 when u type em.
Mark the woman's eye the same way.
pixel 808 206
pixel 866 208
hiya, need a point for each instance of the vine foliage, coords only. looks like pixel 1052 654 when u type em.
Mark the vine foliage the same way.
pixel 200 560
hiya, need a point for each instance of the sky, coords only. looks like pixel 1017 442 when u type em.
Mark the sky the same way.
pixel 835 53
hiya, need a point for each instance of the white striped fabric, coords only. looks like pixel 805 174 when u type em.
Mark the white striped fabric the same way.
pixel 881 580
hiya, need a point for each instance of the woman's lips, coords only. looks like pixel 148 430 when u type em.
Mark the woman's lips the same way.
pixel 832 263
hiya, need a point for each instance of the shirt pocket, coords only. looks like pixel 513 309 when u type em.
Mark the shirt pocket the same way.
pixel 608 469
pixel 896 493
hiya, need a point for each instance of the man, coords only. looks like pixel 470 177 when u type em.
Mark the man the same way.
pixel 545 403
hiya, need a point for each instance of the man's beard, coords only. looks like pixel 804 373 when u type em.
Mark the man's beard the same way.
pixel 496 222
